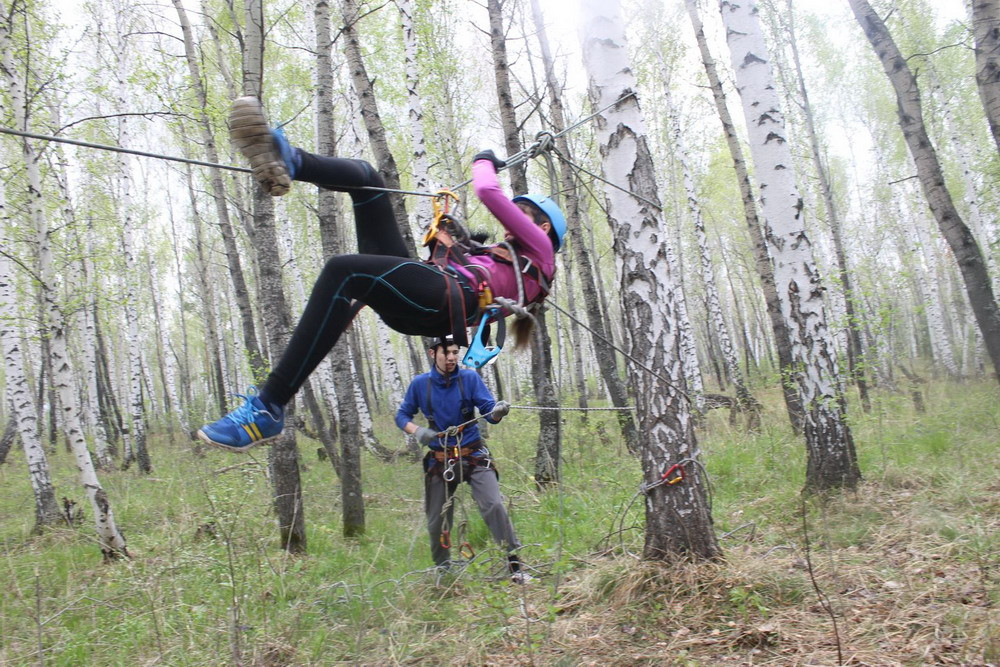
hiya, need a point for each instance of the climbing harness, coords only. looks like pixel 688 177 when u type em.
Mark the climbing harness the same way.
pixel 449 241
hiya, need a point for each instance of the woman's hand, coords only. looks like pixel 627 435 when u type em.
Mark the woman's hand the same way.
pixel 488 154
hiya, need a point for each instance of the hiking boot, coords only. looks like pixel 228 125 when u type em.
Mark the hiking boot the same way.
pixel 271 157
pixel 250 424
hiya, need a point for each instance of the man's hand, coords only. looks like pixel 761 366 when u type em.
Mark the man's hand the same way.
pixel 500 410
pixel 425 435
pixel 498 164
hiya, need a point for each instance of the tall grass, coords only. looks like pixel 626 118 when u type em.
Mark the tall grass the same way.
pixel 207 583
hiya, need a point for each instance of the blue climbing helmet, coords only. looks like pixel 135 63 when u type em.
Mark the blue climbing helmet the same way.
pixel 551 209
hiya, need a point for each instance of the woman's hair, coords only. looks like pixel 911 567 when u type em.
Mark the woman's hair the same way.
pixel 522 328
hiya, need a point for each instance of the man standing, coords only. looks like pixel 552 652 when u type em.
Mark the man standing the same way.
pixel 448 396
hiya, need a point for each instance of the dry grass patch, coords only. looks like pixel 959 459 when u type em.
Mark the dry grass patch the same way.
pixel 904 594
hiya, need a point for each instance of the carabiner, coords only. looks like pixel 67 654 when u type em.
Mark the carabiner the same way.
pixel 680 474
pixel 480 353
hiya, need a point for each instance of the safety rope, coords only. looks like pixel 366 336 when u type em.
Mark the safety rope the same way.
pixel 623 352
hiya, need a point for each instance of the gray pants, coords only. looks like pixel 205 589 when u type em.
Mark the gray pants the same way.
pixel 486 493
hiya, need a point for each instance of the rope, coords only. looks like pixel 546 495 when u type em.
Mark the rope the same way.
pixel 545 407
pixel 174 158
pixel 623 352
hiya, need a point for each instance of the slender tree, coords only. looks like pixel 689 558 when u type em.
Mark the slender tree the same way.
pixel 110 539
pixel 855 349
pixel 832 461
pixel 765 269
pixel 986 32
pixel 283 454
pixel 678 521
pixel 961 240
pixel 19 396
pixel 600 333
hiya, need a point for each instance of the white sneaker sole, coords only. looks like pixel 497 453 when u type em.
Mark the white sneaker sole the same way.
pixel 207 440
pixel 250 133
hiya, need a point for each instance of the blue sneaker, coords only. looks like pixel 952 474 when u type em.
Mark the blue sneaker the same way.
pixel 272 159
pixel 248 425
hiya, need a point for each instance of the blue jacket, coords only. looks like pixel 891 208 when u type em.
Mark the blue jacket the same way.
pixel 452 402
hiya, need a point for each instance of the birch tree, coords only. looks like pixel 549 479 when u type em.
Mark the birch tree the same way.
pixel 547 450
pixel 763 264
pixel 364 88
pixel 832 461
pixel 19 394
pixel 678 521
pixel 110 540
pixel 600 333
pixel 283 454
pixel 720 329
pixel 986 33
pixel 136 434
pixel 961 240
pixel 855 349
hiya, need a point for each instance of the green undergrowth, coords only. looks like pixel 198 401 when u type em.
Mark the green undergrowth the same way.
pixel 208 584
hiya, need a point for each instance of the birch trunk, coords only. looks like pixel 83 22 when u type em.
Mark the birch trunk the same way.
pixel 136 434
pixel 600 332
pixel 832 461
pixel 7 437
pixel 501 75
pixel 678 520
pixel 365 90
pixel 855 349
pixel 219 197
pixel 547 461
pixel 986 32
pixel 934 305
pixel 19 395
pixel 110 540
pixel 415 114
pixel 765 270
pixel 720 331
pixel 213 353
pixel 348 428
pixel 963 243
pixel 283 454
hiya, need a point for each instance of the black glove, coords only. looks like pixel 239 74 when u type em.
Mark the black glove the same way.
pixel 488 154
pixel 425 435
pixel 500 410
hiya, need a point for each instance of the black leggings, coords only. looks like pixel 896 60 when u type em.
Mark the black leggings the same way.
pixel 409 296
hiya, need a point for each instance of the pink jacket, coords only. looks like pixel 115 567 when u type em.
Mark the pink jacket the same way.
pixel 532 242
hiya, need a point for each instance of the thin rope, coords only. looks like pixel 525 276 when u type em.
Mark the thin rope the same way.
pixel 623 352
pixel 545 407
pixel 174 158
pixel 607 182
pixel 119 149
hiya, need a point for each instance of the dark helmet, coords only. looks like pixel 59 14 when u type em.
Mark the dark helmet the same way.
pixel 441 341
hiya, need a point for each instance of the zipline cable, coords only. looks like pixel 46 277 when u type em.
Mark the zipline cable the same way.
pixel 174 158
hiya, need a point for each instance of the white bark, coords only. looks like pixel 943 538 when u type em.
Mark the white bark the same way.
pixel 832 460
pixel 135 435
pixel 111 542
pixel 677 517
pixel 18 391
pixel 415 115
pixel 705 254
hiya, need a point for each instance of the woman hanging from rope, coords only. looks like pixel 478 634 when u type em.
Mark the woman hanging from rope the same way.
pixel 411 296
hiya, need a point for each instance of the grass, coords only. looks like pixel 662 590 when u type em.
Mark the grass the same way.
pixel 908 561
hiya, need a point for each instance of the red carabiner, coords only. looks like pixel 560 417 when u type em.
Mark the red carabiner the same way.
pixel 680 474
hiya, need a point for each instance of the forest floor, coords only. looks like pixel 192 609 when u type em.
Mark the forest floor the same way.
pixel 901 571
